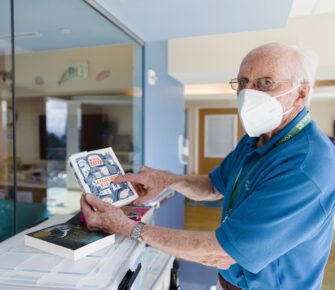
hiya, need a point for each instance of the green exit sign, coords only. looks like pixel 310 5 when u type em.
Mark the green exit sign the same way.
pixel 78 71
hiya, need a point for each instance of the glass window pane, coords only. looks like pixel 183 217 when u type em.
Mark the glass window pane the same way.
pixel 6 125
pixel 78 87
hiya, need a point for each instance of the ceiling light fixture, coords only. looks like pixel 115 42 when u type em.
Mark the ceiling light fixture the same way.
pixel 65 30
pixel 21 35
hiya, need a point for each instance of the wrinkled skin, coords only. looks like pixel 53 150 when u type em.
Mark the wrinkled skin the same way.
pixel 107 217
pixel 148 182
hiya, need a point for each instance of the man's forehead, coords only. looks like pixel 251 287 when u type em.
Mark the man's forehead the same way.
pixel 271 61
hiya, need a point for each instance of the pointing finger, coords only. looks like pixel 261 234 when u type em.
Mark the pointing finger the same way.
pixel 129 177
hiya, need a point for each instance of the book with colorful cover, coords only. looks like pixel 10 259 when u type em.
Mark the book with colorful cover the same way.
pixel 138 213
pixel 68 240
pixel 95 172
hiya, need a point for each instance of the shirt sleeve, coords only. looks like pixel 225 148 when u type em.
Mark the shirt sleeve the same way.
pixel 280 214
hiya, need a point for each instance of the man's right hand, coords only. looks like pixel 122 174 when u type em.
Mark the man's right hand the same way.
pixel 148 182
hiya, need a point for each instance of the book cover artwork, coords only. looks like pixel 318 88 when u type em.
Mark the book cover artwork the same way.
pixel 96 171
pixel 68 240
pixel 68 236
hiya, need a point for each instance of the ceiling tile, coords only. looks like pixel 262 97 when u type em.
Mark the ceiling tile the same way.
pixel 325 6
pixel 302 7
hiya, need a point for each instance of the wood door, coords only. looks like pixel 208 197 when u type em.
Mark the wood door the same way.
pixel 207 162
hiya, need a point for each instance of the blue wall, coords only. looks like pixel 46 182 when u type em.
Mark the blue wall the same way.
pixel 163 123
pixel 196 276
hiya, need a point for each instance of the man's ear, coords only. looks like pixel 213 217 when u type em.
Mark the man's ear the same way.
pixel 303 92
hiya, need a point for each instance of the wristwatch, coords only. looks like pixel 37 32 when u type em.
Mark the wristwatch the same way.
pixel 136 234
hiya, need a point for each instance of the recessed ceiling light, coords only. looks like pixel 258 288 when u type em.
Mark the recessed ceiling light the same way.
pixel 65 30
pixel 21 35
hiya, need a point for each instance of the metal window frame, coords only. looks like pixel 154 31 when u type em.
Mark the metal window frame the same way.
pixel 105 13
pixel 12 28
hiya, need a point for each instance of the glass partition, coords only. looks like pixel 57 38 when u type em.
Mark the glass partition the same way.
pixel 78 87
pixel 6 125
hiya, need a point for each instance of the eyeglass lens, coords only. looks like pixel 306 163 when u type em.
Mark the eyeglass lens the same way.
pixel 261 84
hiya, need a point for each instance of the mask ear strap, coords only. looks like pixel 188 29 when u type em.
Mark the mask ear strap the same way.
pixel 288 111
pixel 290 91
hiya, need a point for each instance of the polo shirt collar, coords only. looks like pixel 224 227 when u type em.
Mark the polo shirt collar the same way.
pixel 265 148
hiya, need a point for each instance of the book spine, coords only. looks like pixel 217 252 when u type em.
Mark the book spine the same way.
pixel 76 176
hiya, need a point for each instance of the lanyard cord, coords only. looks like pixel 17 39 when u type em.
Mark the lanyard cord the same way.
pixel 293 132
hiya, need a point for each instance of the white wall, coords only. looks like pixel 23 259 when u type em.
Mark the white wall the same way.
pixel 216 59
pixel 50 65
pixel 323 113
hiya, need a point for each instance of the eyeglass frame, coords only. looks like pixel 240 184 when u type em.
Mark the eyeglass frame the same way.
pixel 236 81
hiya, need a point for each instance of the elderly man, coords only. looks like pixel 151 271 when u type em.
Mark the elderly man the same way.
pixel 278 186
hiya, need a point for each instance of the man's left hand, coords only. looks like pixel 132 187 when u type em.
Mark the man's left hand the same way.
pixel 106 217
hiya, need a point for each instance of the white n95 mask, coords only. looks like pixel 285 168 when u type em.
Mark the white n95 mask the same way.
pixel 260 112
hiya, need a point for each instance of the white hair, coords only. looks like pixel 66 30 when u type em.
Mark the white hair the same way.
pixel 306 68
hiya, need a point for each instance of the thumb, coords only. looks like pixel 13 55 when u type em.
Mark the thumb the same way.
pixel 95 202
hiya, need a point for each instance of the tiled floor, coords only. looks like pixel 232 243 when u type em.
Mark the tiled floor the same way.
pixel 208 219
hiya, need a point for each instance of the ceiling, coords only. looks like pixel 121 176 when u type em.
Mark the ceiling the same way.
pixel 64 24
pixel 310 7
pixel 216 59
pixel 59 24
pixel 154 20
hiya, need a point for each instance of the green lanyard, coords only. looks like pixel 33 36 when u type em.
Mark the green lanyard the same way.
pixel 294 131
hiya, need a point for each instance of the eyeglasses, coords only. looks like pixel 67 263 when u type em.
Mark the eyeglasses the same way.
pixel 261 84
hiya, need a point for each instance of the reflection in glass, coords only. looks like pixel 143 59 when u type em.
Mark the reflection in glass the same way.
pixel 56 121
pixel 6 126
pixel 78 87
pixel 54 139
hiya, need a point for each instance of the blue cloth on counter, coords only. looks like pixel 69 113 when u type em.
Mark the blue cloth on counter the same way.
pixel 281 225
pixel 28 214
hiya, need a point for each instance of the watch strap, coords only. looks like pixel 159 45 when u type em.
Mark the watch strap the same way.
pixel 137 231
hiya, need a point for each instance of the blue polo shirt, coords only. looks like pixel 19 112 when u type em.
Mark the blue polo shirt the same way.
pixel 280 228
